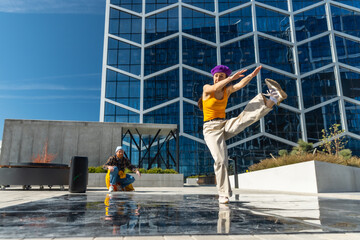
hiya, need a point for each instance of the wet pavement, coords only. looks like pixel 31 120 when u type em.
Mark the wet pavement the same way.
pixel 145 213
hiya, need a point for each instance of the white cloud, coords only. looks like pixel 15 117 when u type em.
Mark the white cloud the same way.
pixel 53 6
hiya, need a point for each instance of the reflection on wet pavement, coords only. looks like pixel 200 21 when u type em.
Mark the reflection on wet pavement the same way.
pixel 102 215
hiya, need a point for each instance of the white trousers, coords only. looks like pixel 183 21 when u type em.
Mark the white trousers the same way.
pixel 218 131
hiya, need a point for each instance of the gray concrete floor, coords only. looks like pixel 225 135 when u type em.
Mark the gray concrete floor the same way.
pixel 332 215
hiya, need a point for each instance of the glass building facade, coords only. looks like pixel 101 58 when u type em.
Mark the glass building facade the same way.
pixel 158 55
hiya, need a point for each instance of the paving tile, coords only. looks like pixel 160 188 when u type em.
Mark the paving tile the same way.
pixel 211 237
pixel 243 237
pixel 180 237
pixel 37 239
pixel 144 238
pixel 320 236
pixel 276 237
pixel 109 238
pixel 77 238
pixel 352 236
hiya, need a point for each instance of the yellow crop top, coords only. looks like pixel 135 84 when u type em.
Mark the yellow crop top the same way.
pixel 215 108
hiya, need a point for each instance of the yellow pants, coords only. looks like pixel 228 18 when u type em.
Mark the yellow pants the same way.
pixel 117 187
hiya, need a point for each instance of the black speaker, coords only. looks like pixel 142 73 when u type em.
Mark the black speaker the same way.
pixel 78 176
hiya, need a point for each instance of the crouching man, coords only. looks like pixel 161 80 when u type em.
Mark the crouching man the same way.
pixel 116 179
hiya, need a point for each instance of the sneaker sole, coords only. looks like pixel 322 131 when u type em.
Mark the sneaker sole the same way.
pixel 275 84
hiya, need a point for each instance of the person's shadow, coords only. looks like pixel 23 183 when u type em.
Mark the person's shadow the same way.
pixel 122 213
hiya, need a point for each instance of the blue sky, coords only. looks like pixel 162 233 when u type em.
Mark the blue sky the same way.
pixel 51 59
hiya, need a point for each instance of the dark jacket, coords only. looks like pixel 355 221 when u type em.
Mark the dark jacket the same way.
pixel 120 163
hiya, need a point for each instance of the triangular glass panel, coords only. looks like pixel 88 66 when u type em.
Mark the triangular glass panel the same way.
pixel 299 4
pixel 198 24
pixel 318 87
pixel 353 3
pixel 276 55
pixel 125 25
pixel 198 55
pixel 354 145
pixel 346 21
pixel 235 24
pixel 193 120
pixel 192 89
pixel 348 51
pixel 204 4
pixel 152 5
pixel 134 5
pixel 161 88
pixel 165 115
pixel 122 89
pixel 161 25
pixel 353 117
pixel 124 56
pixel 283 123
pixel 273 23
pixel 350 82
pixel 314 54
pixel 196 157
pixel 248 132
pixel 282 4
pixel 288 85
pixel 117 114
pixel 239 54
pixel 310 23
pixel 255 150
pixel 321 118
pixel 246 93
pixel 227 4
pixel 161 56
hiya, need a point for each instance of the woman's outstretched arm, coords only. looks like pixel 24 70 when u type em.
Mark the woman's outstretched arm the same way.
pixel 208 89
pixel 244 81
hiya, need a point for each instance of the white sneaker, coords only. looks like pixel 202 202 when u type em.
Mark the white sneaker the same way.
pixel 275 91
pixel 223 200
pixel 111 189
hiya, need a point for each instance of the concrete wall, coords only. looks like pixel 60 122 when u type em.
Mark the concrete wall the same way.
pixel 307 177
pixel 146 180
pixel 24 139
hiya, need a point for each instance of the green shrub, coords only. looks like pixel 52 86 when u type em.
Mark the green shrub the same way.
pixel 154 170
pixel 294 152
pixel 283 152
pixel 345 153
pixel 196 176
pixel 170 171
pixel 302 147
pixel 97 170
pixel 291 159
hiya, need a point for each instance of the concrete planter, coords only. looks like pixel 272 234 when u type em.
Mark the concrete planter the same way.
pixel 208 180
pixel 146 180
pixel 192 181
pixel 307 177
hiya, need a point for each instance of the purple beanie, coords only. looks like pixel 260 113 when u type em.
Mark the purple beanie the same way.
pixel 221 68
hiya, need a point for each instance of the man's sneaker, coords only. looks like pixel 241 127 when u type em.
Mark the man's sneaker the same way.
pixel 223 200
pixel 275 90
pixel 111 189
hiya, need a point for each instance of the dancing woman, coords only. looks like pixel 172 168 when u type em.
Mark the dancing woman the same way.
pixel 217 129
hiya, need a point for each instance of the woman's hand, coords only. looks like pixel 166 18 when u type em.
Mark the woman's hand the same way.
pixel 244 81
pixel 111 168
pixel 238 75
pixel 255 72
